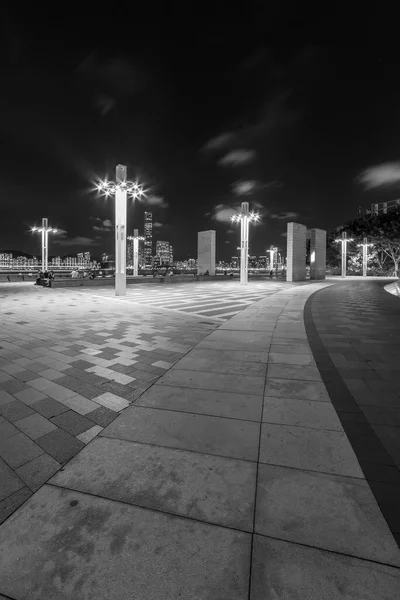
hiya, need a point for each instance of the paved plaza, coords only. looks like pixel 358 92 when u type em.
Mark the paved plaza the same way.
pixel 200 441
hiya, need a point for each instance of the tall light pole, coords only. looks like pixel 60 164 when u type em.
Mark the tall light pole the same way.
pixel 344 241
pixel 120 188
pixel 44 230
pixel 365 245
pixel 272 250
pixel 244 217
pixel 135 250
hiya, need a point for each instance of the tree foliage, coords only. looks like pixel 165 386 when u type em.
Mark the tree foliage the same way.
pixel 382 230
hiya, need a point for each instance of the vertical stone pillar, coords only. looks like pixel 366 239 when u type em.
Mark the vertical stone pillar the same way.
pixel 296 252
pixel 317 254
pixel 206 252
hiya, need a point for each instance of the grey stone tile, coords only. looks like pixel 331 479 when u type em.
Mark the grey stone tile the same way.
pixel 207 488
pixel 10 504
pixel 323 511
pixel 306 413
pixel 34 426
pixel 207 402
pixel 294 388
pixel 37 471
pixel 49 407
pixel 10 483
pixel 15 410
pixel 160 556
pixel 102 416
pixel 30 396
pixel 240 384
pixel 60 445
pixel 18 450
pixel 221 365
pixel 304 448
pixel 13 385
pixel 5 398
pixel 199 433
pixel 7 429
pixel 291 572
pixel 72 422
pixel 280 371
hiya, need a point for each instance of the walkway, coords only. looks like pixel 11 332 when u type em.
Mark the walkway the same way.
pixel 230 478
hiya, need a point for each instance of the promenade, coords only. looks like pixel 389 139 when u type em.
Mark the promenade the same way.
pixel 157 452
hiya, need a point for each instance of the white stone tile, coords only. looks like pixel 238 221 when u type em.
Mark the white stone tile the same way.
pixel 112 401
pixel 162 364
pixel 88 435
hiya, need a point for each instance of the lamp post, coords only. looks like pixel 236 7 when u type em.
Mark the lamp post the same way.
pixel 244 217
pixel 135 238
pixel 365 245
pixel 44 230
pixel 344 241
pixel 120 188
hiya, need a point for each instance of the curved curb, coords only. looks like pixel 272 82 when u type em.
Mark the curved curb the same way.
pixel 347 409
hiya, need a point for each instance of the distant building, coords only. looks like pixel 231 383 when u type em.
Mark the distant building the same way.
pixel 384 207
pixel 163 252
pixel 129 254
pixel 148 239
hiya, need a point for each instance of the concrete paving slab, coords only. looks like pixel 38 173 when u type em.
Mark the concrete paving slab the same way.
pixel 202 487
pixel 290 371
pixel 323 511
pixel 229 367
pixel 258 340
pixel 244 356
pixel 248 325
pixel 283 570
pixel 206 402
pixel 7 429
pixel 68 544
pixel 305 360
pixel 211 435
pixel 227 345
pixel 304 448
pixel 295 388
pixel 213 381
pixel 304 413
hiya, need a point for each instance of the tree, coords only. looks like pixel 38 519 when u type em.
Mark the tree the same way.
pixel 382 230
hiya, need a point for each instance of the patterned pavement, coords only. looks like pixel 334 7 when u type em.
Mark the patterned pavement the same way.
pixel 71 360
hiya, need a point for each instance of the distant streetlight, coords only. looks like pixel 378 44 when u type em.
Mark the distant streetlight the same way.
pixel 244 218
pixel 365 245
pixel 344 241
pixel 135 238
pixel 121 188
pixel 44 230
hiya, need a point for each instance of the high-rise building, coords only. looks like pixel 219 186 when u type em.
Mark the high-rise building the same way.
pixel 171 255
pixel 129 254
pixel 148 239
pixel 86 256
pixel 163 251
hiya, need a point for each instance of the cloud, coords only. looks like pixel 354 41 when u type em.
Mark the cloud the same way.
pixel 285 215
pixel 61 234
pixel 106 225
pixel 381 175
pixel 237 157
pixel 223 213
pixel 230 231
pixel 156 201
pixel 95 219
pixel 76 241
pixel 157 224
pixel 244 188
pixel 284 234
pixel 227 242
pixel 218 142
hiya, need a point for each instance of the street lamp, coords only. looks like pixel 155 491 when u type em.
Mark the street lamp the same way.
pixel 244 217
pixel 365 255
pixel 44 230
pixel 135 238
pixel 121 188
pixel 344 241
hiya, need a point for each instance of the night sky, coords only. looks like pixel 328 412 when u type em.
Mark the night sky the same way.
pixel 204 110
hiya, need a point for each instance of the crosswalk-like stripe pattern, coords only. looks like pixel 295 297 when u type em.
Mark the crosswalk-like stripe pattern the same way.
pixel 218 302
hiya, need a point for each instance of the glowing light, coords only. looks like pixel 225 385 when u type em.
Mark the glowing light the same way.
pixel 132 188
